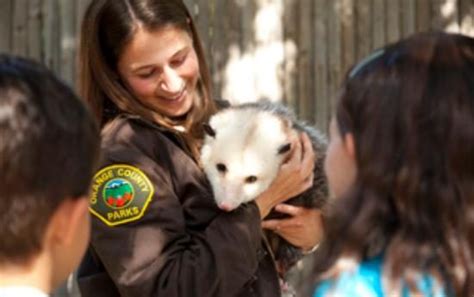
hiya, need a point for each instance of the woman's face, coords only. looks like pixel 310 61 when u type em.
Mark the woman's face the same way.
pixel 340 165
pixel 161 69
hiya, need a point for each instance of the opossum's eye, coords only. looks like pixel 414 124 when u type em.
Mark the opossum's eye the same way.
pixel 221 168
pixel 284 148
pixel 251 179
pixel 208 130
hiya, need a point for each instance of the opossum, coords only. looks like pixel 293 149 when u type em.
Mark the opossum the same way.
pixel 241 155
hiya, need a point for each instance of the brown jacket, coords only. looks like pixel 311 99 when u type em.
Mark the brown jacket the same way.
pixel 156 230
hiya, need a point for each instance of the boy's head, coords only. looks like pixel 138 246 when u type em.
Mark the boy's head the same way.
pixel 48 151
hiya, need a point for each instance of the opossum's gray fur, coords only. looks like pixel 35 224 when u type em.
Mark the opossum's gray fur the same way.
pixel 286 254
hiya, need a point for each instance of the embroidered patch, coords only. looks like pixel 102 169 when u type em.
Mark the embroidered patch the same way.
pixel 120 194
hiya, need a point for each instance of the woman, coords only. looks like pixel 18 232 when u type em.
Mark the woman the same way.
pixel 400 165
pixel 156 230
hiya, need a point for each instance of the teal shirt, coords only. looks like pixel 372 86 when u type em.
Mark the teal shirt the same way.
pixel 366 281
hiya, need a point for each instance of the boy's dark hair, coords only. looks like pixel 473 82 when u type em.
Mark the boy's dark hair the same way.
pixel 49 147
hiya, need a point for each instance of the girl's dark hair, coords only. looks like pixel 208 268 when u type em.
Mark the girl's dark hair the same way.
pixel 410 109
pixel 108 26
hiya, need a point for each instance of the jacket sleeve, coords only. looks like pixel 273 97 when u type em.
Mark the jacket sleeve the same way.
pixel 157 255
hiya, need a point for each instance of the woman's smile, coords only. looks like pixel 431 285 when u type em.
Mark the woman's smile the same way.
pixel 161 69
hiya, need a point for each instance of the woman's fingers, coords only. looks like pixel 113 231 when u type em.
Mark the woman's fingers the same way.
pixel 308 156
pixel 303 230
pixel 282 224
pixel 306 143
pixel 308 182
pixel 295 175
pixel 288 209
pixel 271 225
pixel 293 211
pixel 296 152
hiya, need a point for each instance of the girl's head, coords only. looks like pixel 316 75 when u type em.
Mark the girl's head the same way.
pixel 144 57
pixel 404 129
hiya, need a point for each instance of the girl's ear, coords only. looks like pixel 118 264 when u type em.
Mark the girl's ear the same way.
pixel 350 145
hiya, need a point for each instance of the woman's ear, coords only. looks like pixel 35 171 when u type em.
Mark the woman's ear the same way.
pixel 350 145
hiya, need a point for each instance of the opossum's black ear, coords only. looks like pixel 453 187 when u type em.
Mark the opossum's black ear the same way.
pixel 208 130
pixel 284 148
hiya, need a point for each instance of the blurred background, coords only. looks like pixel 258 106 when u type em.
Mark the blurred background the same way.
pixel 292 51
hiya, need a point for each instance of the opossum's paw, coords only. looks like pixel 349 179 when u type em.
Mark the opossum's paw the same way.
pixel 287 256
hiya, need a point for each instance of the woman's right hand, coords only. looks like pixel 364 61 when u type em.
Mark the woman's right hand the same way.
pixel 295 176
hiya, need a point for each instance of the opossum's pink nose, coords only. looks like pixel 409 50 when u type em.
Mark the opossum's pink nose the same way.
pixel 226 206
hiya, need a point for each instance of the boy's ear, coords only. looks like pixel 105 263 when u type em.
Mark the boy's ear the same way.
pixel 350 144
pixel 70 216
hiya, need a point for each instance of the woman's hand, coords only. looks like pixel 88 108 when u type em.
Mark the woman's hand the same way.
pixel 304 229
pixel 295 176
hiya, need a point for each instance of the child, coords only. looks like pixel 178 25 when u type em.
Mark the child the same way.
pixel 48 150
pixel 400 167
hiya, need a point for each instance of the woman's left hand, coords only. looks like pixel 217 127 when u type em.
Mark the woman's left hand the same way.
pixel 303 229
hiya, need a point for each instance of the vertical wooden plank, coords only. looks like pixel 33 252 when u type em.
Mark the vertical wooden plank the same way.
pixel 203 22
pixel 20 27
pixel 364 23
pixel 335 54
pixel 393 20
pixel 379 23
pixel 51 34
pixel 423 17
pixel 226 35
pixel 252 45
pixel 81 7
pixel 201 17
pixel 290 35
pixel 451 15
pixel 444 15
pixel 67 40
pixel 454 25
pixel 305 71
pixel 190 5
pixel 436 15
pixel 347 17
pixel 466 17
pixel 267 58
pixel 408 17
pixel 218 54
pixel 5 25
pixel 34 30
pixel 247 39
pixel 471 19
pixel 321 63
pixel 210 46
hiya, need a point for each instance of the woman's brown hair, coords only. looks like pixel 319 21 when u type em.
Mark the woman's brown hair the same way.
pixel 410 109
pixel 107 28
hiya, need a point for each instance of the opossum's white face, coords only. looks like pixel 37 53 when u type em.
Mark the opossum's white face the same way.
pixel 244 156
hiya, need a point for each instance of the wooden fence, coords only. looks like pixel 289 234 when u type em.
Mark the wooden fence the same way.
pixel 319 40
pixel 295 51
